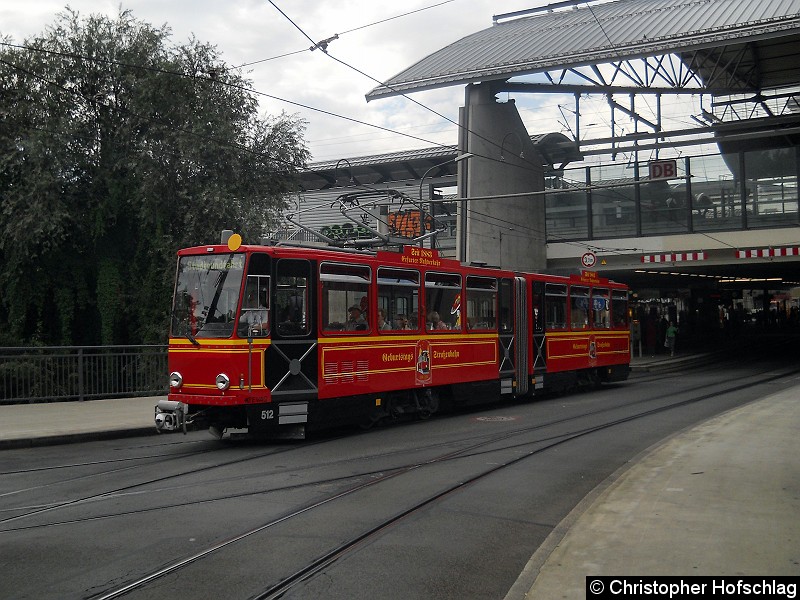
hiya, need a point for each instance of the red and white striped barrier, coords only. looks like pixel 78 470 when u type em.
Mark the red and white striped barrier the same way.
pixel 768 252
pixel 673 257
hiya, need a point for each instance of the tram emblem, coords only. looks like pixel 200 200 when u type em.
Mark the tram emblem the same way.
pixel 423 374
pixel 592 349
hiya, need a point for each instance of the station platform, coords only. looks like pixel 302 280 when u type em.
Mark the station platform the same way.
pixel 719 499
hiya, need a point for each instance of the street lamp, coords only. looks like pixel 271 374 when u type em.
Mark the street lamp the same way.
pixel 465 156
pixel 349 170
pixel 503 144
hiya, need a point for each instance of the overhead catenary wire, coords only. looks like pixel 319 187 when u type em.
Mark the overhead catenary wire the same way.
pixel 291 102
pixel 359 71
pixel 393 132
pixel 217 80
pixel 341 33
pixel 379 82
pixel 74 92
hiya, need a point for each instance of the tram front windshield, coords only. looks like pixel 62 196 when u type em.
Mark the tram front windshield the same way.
pixel 206 295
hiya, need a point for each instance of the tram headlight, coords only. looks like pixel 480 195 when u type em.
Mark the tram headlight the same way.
pixel 175 380
pixel 223 382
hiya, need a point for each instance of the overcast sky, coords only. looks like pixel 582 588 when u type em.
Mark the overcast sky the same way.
pixel 248 31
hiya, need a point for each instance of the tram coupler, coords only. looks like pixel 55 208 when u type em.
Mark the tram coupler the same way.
pixel 170 415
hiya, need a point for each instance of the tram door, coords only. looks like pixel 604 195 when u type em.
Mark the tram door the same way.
pixel 292 357
pixel 506 318
pixel 521 324
pixel 537 326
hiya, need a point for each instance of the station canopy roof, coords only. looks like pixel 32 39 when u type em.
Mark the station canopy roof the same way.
pixel 554 148
pixel 733 46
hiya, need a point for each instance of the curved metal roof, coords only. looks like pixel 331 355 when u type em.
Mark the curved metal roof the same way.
pixel 621 30
pixel 554 148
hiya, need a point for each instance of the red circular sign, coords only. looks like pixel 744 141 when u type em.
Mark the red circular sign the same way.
pixel 589 259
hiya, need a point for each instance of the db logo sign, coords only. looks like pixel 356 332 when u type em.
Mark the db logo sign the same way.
pixel 659 169
pixel 589 259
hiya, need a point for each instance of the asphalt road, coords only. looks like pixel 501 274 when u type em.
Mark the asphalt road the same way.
pixel 452 507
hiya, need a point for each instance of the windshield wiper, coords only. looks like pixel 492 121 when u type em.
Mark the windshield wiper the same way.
pixel 191 338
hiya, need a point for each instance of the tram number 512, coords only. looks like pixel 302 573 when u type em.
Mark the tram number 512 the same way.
pixel 267 415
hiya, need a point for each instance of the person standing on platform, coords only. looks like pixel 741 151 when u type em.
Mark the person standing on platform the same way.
pixel 672 333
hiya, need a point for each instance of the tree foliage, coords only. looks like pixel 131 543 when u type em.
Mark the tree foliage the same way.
pixel 116 149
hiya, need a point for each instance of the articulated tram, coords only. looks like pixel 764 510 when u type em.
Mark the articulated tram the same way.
pixel 282 340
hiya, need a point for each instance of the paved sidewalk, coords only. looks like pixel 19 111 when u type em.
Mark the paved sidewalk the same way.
pixel 720 499
pixel 61 422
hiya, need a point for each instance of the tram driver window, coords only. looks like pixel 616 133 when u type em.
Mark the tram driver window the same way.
pixel 254 319
pixel 579 307
pixel 345 292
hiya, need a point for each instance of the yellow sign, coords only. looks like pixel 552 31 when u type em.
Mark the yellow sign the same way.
pixel 234 242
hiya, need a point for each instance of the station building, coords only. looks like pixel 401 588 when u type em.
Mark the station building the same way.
pixel 703 222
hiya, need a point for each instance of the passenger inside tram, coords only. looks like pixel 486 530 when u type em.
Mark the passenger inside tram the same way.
pixel 254 319
pixel 435 322
pixel 355 320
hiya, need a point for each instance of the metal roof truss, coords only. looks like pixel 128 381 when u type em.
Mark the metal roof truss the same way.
pixel 728 73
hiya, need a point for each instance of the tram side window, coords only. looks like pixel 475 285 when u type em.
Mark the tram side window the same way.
pixel 443 301
pixel 619 308
pixel 345 292
pixel 291 310
pixel 398 296
pixel 555 306
pixel 579 307
pixel 601 308
pixel 481 303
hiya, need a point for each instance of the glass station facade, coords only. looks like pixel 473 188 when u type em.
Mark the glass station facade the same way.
pixel 749 189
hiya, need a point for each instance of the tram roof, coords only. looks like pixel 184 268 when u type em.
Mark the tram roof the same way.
pixel 613 31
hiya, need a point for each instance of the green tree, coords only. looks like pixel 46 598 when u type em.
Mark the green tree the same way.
pixel 116 149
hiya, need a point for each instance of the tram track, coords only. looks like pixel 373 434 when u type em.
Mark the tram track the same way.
pixel 119 490
pixel 136 488
pixel 106 461
pixel 332 555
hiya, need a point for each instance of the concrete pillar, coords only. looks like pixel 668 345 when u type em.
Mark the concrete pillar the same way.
pixel 505 231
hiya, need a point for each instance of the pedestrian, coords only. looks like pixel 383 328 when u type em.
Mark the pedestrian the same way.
pixel 672 333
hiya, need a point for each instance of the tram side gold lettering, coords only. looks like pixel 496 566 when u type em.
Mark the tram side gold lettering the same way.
pixel 397 357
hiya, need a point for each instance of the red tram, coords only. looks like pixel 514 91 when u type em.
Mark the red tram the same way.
pixel 284 340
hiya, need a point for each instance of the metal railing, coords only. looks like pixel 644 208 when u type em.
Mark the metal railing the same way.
pixel 54 373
